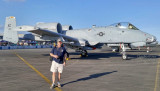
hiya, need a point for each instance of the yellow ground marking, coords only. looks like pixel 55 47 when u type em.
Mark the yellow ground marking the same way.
pixel 157 76
pixel 39 73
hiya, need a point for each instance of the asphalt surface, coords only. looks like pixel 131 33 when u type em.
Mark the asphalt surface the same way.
pixel 102 70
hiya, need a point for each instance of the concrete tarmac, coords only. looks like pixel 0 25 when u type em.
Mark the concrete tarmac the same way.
pixel 102 70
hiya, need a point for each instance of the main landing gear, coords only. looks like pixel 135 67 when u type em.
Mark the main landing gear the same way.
pixel 84 53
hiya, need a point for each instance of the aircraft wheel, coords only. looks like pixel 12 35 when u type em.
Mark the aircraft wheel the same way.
pixel 113 50
pixel 124 57
pixel 84 53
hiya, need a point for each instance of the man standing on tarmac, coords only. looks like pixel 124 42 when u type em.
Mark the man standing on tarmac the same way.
pixel 59 60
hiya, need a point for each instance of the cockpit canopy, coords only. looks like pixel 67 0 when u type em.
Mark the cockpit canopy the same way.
pixel 125 25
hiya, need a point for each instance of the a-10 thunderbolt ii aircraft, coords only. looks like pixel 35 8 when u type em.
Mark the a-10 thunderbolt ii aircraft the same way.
pixel 123 34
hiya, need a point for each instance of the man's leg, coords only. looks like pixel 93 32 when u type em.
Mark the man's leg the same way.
pixel 53 80
pixel 53 77
pixel 60 70
pixel 59 78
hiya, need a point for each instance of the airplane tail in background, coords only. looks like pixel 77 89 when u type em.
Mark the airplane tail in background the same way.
pixel 9 34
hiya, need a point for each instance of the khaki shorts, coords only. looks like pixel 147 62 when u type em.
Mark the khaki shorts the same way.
pixel 56 67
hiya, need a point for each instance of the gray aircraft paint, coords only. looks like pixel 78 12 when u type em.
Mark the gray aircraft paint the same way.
pixel 9 34
pixel 109 35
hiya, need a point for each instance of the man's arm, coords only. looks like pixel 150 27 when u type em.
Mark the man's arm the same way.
pixel 65 56
pixel 52 55
pixel 55 56
pixel 64 59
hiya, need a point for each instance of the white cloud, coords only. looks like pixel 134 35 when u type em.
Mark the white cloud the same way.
pixel 14 0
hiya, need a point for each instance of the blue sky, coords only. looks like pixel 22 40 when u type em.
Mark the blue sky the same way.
pixel 144 14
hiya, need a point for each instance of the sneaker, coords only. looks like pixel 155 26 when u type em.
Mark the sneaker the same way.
pixel 52 86
pixel 59 85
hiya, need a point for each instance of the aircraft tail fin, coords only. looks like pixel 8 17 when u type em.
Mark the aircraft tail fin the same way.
pixel 10 34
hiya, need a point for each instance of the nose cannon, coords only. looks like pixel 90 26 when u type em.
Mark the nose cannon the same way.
pixel 154 39
pixel 151 39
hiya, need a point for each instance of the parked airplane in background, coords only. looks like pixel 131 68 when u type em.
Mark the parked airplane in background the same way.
pixel 123 34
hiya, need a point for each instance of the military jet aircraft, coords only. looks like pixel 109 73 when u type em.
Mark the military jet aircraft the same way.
pixel 124 34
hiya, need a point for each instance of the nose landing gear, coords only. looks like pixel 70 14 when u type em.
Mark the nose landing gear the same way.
pixel 124 55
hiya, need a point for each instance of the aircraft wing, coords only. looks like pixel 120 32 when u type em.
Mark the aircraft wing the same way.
pixel 43 32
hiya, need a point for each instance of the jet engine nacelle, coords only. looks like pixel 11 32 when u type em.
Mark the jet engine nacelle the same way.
pixel 67 27
pixel 55 27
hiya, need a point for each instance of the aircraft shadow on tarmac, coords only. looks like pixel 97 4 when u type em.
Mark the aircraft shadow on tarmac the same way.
pixel 143 56
pixel 137 51
pixel 95 56
pixel 93 76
